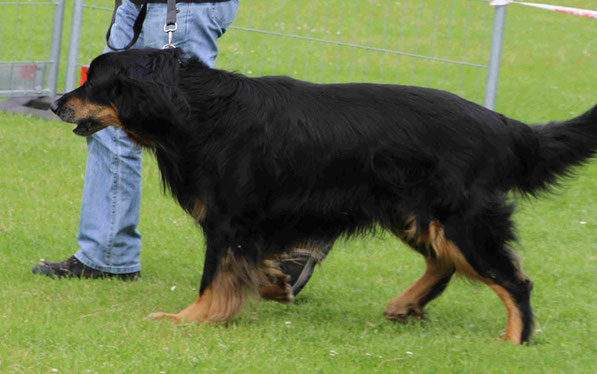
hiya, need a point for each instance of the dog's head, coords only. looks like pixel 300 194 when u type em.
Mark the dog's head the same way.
pixel 133 90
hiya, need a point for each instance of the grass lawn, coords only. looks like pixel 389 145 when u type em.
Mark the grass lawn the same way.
pixel 549 70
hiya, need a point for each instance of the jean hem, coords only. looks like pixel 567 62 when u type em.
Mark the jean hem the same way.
pixel 107 269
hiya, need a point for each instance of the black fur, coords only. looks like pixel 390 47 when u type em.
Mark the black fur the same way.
pixel 278 161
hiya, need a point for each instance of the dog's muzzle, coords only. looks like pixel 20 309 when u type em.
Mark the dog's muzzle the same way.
pixel 85 126
pixel 54 107
pixel 65 113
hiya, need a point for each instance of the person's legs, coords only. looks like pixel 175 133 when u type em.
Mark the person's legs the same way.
pixel 108 237
pixel 199 27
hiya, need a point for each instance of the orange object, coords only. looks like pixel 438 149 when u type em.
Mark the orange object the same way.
pixel 84 69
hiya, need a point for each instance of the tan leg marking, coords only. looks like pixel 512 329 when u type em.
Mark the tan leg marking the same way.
pixel 442 257
pixel 196 312
pixel 408 302
pixel 223 299
pixel 514 323
pixel 274 284
pixel 448 255
pixel 199 210
pixel 219 303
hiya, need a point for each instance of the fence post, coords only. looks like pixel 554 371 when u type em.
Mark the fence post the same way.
pixel 57 26
pixel 493 68
pixel 73 47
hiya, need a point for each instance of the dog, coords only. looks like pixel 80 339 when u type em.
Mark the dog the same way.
pixel 271 164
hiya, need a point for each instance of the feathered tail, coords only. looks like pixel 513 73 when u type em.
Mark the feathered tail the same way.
pixel 547 152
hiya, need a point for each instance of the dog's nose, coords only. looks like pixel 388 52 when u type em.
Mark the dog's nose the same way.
pixel 54 107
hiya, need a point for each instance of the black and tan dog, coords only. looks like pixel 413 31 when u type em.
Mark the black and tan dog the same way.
pixel 267 165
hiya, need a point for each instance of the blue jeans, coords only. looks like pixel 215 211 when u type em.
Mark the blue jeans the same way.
pixel 108 237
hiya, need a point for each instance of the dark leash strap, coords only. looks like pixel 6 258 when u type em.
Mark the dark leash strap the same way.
pixel 136 27
pixel 117 4
pixel 169 27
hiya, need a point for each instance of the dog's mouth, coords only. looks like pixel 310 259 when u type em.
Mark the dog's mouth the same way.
pixel 66 114
pixel 85 126
pixel 88 126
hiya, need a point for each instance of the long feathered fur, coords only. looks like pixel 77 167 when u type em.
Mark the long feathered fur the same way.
pixel 277 162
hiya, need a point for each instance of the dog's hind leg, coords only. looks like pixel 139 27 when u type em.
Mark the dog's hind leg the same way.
pixel 481 252
pixel 477 250
pixel 504 276
pixel 431 284
pixel 412 301
pixel 515 294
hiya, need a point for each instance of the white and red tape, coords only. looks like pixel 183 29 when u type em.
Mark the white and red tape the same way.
pixel 555 8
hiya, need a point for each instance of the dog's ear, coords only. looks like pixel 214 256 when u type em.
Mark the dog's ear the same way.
pixel 151 77
pixel 147 95
pixel 160 66
pixel 121 94
pixel 135 100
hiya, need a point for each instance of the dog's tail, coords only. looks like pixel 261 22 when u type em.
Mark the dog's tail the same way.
pixel 548 152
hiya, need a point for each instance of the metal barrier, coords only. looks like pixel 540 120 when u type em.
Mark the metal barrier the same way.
pixel 96 16
pixel 29 64
pixel 442 44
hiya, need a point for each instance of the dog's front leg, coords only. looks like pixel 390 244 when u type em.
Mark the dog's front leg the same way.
pixel 226 281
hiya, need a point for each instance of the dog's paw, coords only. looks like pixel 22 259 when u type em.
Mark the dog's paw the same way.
pixel 278 291
pixel 504 339
pixel 158 315
pixel 275 285
pixel 401 313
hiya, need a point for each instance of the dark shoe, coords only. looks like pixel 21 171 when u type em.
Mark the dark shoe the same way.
pixel 72 267
pixel 299 264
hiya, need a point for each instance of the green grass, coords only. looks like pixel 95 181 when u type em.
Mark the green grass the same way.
pixel 83 326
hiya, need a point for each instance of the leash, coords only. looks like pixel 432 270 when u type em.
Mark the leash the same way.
pixel 169 27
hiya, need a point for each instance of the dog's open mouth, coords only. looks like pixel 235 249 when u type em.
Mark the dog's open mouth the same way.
pixel 88 126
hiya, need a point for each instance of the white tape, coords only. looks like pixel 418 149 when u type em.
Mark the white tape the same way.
pixel 499 2
pixel 555 8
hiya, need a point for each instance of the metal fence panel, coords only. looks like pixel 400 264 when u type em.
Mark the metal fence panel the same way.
pixel 497 37
pixel 30 38
pixel 442 44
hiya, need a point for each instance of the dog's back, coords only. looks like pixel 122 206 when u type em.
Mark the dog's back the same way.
pixel 423 149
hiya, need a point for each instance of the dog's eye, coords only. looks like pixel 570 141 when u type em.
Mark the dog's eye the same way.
pixel 90 83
